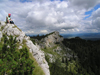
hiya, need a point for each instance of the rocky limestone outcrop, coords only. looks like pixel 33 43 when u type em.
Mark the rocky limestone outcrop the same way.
pixel 58 50
pixel 51 57
pixel 11 29
pixel 51 39
pixel 39 56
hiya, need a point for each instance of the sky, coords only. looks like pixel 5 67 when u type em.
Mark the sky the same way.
pixel 45 16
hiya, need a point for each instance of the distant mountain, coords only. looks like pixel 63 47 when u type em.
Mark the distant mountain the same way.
pixel 87 36
pixel 93 39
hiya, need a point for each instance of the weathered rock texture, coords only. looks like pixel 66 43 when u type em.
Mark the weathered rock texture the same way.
pixel 54 41
pixel 11 29
pixel 51 39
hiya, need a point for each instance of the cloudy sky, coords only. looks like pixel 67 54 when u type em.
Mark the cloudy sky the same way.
pixel 45 16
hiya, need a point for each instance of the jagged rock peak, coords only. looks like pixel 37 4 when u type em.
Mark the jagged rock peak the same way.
pixel 11 29
pixel 51 39
pixel 54 36
pixel 52 33
pixel 56 32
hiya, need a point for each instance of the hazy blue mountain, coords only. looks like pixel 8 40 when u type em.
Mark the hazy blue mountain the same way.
pixel 87 36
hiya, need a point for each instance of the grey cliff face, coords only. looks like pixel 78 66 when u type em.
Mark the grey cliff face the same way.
pixel 50 40
pixel 11 29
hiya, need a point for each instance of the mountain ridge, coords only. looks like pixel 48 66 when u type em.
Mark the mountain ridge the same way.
pixel 11 29
pixel 56 55
pixel 68 56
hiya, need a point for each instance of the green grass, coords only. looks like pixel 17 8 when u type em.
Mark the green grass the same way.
pixel 0 45
pixel 38 70
pixel 50 51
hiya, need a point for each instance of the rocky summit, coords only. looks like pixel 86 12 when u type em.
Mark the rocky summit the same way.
pixel 51 39
pixel 11 29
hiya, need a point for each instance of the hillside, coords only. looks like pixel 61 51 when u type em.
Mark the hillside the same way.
pixel 88 53
pixel 18 55
pixel 49 54
pixel 61 59
pixel 69 56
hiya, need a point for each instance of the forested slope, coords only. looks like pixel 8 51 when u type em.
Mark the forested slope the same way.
pixel 88 53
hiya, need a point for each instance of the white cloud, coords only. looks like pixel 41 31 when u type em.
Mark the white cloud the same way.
pixel 29 32
pixel 3 14
pixel 44 31
pixel 96 14
pixel 94 21
pixel 87 4
pixel 44 16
